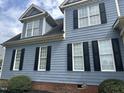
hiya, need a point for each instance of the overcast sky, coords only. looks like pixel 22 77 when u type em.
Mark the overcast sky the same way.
pixel 11 10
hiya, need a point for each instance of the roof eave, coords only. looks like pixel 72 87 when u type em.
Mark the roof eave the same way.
pixel 71 4
pixel 22 19
pixel 34 40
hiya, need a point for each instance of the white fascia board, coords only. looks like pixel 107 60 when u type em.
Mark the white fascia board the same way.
pixel 63 2
pixel 78 2
pixel 32 16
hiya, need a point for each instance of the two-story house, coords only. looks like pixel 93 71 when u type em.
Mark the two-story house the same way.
pixel 75 53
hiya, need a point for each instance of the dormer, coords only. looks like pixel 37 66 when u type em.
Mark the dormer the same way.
pixel 36 22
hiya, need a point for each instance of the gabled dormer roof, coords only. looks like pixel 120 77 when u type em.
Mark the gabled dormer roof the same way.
pixel 32 11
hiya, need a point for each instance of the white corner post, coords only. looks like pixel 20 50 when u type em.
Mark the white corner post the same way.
pixel 118 8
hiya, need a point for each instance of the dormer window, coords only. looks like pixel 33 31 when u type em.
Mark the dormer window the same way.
pixel 32 28
pixel 89 15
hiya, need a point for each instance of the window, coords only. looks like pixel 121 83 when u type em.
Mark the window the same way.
pixel 89 15
pixel 42 59
pixel 32 28
pixel 17 59
pixel 106 55
pixel 78 59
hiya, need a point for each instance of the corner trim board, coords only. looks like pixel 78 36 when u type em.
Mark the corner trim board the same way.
pixel 118 8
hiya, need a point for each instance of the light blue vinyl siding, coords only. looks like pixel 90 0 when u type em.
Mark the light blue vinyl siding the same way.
pixel 58 72
pixel 121 4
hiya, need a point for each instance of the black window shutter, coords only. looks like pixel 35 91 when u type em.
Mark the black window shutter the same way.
pixel 69 57
pixel 48 58
pixel 96 58
pixel 117 55
pixel 12 59
pixel 75 19
pixel 36 59
pixel 86 56
pixel 21 59
pixel 103 13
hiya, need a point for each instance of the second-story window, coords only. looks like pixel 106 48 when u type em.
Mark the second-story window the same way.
pixel 32 28
pixel 89 15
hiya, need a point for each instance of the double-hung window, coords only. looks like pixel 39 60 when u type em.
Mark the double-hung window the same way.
pixel 17 59
pixel 89 15
pixel 106 55
pixel 42 59
pixel 32 28
pixel 78 58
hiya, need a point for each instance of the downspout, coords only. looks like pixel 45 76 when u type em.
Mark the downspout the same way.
pixel 118 8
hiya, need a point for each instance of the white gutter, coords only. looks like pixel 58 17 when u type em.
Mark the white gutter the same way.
pixel 117 7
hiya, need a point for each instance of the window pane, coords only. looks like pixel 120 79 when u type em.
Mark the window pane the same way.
pixel 43 52
pixel 94 20
pixel 107 62
pixel 78 63
pixel 36 24
pixel 29 32
pixel 35 31
pixel 83 12
pixel 42 63
pixel 83 22
pixel 78 56
pixel 105 47
pixel 29 25
pixel 78 49
pixel 94 9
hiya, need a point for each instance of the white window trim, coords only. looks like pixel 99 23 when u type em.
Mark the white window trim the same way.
pixel 88 15
pixel 40 60
pixel 73 56
pixel 15 62
pixel 44 26
pixel 64 21
pixel 32 31
pixel 114 70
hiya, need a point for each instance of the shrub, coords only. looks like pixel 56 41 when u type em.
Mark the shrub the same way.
pixel 19 84
pixel 111 86
pixel 3 84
